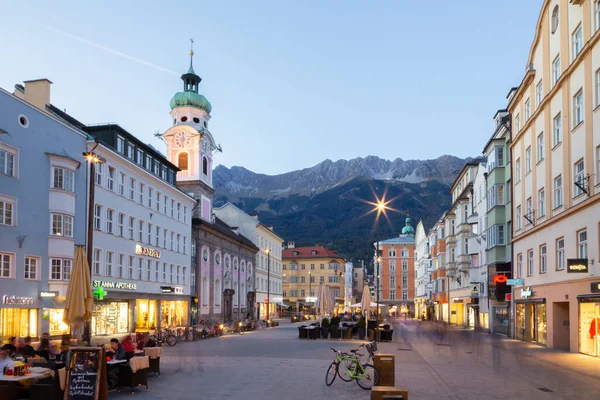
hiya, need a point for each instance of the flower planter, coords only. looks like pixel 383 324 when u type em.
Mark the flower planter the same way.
pixel 325 333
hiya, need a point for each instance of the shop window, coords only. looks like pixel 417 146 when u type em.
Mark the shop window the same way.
pixel 18 322
pixel 589 328
pixel 55 318
pixel 174 313
pixel 109 318
pixel 146 314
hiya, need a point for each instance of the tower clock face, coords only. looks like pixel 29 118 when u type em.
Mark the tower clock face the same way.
pixel 205 146
pixel 182 139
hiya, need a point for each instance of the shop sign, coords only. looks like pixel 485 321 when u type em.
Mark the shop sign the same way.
pixel 526 292
pixel 500 279
pixel 146 251
pixel 577 265
pixel 310 300
pixel 171 289
pixel 114 285
pixel 48 295
pixel 15 300
pixel 595 287
pixel 474 288
pixel 514 282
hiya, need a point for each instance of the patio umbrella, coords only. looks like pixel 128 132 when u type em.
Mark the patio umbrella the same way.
pixel 331 303
pixel 319 306
pixel 79 302
pixel 366 306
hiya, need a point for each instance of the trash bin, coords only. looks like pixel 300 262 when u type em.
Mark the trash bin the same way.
pixel 388 393
pixel 385 364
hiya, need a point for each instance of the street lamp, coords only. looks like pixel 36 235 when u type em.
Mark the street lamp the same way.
pixel 268 251
pixel 310 290
pixel 93 159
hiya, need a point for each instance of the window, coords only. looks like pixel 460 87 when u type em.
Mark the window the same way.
pixel 529 210
pixel 131 225
pixel 204 165
pixel 62 225
pixel 541 211
pixel 578 108
pixel 177 241
pixel 121 184
pixel 120 224
pixel 322 266
pixel 520 265
pixel 140 157
pixel 172 208
pixel 7 162
pixel 543 267
pixel 404 265
pixel 97 217
pixel 150 197
pixel 555 70
pixel 517 123
pixel 99 174
pixel 157 271
pixel 110 214
pixel 558 197
pixel 149 233
pixel 303 266
pixel 404 252
pixel 560 254
pixel 165 205
pixel 185 214
pixel 598 164
pixel 597 83
pixel 172 240
pixel 597 14
pixel 582 244
pixel 140 231
pixel 60 269
pixel 131 189
pixel 529 262
pixel 130 151
pixel 528 160
pixel 156 168
pixel 518 219
pixel 163 173
pixel 518 170
pixel 392 294
pixel 166 233
pixel 148 269
pixel 31 268
pixel 577 41
pixel 130 267
pixel 158 201
pixel 495 236
pixel 184 247
pixel 527 109
pixel 142 190
pixel 63 179
pixel 303 279
pixel 120 144
pixel 120 261
pixel 139 269
pixel 96 261
pixel 540 147
pixel 404 281
pixel 109 263
pixel 178 211
pixel 6 212
pixel 557 130
pixel 404 295
pixel 539 93
pixel 110 183
pixel 579 181
pixel 158 235
pixel 148 162
pixel 555 19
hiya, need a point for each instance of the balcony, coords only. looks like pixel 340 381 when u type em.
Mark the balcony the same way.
pixel 450 240
pixel 464 268
pixel 451 266
pixel 464 259
pixel 464 229
pixel 451 272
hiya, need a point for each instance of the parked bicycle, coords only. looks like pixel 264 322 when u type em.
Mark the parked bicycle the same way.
pixel 349 367
pixel 159 337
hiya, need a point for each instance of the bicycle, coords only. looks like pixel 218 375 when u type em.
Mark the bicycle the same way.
pixel 366 375
pixel 159 337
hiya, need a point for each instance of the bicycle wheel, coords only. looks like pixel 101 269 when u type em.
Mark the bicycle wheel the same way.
pixel 345 368
pixel 154 338
pixel 368 377
pixel 331 374
pixel 170 340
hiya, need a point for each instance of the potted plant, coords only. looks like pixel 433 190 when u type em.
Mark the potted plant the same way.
pixel 325 328
pixel 361 326
pixel 335 322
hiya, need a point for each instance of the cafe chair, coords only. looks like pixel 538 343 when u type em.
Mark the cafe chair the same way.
pixel 135 374
pixel 8 391
pixel 154 354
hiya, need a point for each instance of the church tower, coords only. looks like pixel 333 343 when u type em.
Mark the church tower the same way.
pixel 190 145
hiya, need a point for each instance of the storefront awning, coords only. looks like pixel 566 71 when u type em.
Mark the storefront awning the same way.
pixel 522 301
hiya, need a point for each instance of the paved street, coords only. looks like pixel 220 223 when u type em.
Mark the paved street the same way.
pixel 274 364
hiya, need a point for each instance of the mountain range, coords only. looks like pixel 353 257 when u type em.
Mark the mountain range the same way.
pixel 327 204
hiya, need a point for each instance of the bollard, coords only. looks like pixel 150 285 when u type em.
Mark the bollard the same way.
pixel 385 364
pixel 388 392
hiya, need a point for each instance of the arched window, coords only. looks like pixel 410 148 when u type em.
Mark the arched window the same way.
pixel 218 293
pixel 204 165
pixel 555 19
pixel 183 161
pixel 205 292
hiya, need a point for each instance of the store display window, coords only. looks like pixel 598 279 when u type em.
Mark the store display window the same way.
pixel 18 322
pixel 55 318
pixel 173 313
pixel 109 318
pixel 589 328
pixel 541 323
pixel 146 314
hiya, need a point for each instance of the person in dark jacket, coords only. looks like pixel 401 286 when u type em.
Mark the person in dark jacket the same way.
pixel 117 351
pixel 26 350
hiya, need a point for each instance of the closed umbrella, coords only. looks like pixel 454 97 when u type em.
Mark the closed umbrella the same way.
pixel 366 306
pixel 331 303
pixel 79 302
pixel 320 300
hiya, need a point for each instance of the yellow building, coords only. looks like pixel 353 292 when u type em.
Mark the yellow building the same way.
pixel 305 268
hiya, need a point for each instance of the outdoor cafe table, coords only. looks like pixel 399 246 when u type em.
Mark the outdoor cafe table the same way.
pixel 113 362
pixel 13 378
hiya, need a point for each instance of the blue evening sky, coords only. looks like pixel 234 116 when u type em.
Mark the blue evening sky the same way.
pixel 291 82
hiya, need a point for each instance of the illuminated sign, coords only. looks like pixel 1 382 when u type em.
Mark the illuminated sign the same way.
pixel 47 295
pixel 513 282
pixel 170 289
pixel 526 293
pixel 595 287
pixel 14 300
pixel 100 293
pixel 577 265
pixel 146 251
pixel 500 279
pixel 115 285
pixel 310 299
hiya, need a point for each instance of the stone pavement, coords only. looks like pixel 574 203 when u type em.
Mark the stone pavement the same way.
pixel 274 364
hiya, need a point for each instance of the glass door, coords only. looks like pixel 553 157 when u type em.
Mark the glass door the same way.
pixel 520 322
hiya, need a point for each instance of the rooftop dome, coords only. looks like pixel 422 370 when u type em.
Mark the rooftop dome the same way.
pixel 190 99
pixel 408 229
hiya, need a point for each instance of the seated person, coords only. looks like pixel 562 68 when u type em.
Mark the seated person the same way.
pixel 5 360
pixel 129 347
pixel 65 343
pixel 45 349
pixel 11 346
pixel 117 351
pixel 26 350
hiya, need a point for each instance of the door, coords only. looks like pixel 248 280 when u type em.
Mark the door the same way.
pixel 530 331
pixel 561 331
pixel 520 322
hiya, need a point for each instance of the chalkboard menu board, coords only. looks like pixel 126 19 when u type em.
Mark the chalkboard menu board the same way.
pixel 85 374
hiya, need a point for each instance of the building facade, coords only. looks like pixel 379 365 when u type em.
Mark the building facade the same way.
pixel 225 258
pixel 42 211
pixel 304 269
pixel 396 271
pixel 358 282
pixel 556 175
pixel 423 270
pixel 439 280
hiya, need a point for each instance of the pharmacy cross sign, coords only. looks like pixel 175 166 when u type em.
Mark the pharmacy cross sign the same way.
pixel 100 293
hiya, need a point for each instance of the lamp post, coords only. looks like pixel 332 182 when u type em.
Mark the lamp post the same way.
pixel 92 159
pixel 268 251
pixel 310 290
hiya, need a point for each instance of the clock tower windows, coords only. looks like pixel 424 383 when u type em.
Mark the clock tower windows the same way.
pixel 182 161
pixel 204 165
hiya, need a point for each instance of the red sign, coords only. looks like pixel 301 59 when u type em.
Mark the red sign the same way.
pixel 500 278
pixel 507 297
pixel 266 300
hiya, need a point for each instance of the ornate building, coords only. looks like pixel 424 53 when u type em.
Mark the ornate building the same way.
pixel 222 259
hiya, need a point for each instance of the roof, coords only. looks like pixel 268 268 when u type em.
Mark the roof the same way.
pixel 402 239
pixel 307 252
pixel 221 226
pixel 64 116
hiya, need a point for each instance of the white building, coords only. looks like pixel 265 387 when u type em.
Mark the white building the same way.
pixel 348 279
pixel 477 242
pixel 423 270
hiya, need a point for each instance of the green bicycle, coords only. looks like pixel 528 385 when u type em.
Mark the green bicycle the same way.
pixel 349 367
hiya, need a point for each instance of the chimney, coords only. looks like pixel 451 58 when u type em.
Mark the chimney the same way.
pixel 255 216
pixel 36 93
pixel 291 245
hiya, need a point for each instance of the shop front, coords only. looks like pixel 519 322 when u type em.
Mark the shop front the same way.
pixel 460 312
pixel 22 315
pixel 530 319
